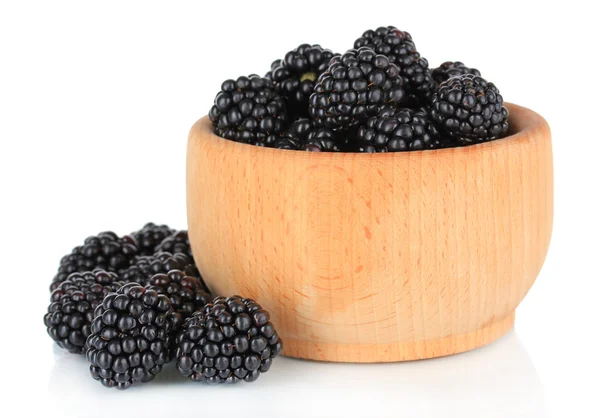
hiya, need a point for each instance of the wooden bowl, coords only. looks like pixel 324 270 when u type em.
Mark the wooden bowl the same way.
pixel 375 257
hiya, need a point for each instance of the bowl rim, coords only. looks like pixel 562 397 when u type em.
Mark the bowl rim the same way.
pixel 523 121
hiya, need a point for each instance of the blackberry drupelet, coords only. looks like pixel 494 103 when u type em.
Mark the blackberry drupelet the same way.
pixel 150 236
pixel 295 76
pixel 144 267
pixel 130 339
pixel 470 109
pixel 322 140
pixel 355 86
pixel 300 129
pixel 72 306
pixel 249 110
pixel 304 134
pixel 179 242
pixel 400 49
pixel 451 69
pixel 106 251
pixel 229 340
pixel 287 143
pixel 186 293
pixel 398 130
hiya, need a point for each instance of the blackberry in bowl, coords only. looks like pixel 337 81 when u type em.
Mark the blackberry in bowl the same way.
pixel 249 110
pixel 355 86
pixel 451 69
pixel 398 46
pixel 470 109
pixel 295 75
pixel 373 257
pixel 394 130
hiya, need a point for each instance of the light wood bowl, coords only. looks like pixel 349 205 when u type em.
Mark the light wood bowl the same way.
pixel 375 257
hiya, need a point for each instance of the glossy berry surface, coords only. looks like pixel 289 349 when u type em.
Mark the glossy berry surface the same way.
pixel 355 86
pixel 295 75
pixel 150 236
pixel 287 143
pixel 451 69
pixel 229 340
pixel 106 251
pixel 306 135
pixel 470 109
pixel 130 340
pixel 249 110
pixel 71 311
pixel 399 47
pixel 398 130
pixel 178 242
pixel 187 294
pixel 144 267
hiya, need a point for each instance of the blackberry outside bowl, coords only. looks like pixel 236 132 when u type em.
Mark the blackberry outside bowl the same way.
pixel 375 257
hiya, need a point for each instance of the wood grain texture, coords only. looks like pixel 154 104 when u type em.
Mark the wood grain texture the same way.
pixel 375 257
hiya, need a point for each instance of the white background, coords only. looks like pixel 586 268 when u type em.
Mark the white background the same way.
pixel 96 100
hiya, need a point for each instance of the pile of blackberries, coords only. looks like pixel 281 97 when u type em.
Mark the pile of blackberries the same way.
pixel 380 96
pixel 131 304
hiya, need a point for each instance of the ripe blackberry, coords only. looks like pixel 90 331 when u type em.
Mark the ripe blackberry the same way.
pixel 71 311
pixel 144 267
pixel 470 109
pixel 355 86
pixel 150 236
pixel 304 134
pixel 398 130
pixel 186 293
pixel 229 340
pixel 249 110
pixel 130 339
pixel 400 49
pixel 295 75
pixel 106 251
pixel 322 140
pixel 451 69
pixel 178 242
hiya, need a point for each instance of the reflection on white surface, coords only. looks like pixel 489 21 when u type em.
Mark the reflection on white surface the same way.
pixel 495 381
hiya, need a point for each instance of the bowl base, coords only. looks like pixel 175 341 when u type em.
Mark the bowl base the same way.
pixel 383 353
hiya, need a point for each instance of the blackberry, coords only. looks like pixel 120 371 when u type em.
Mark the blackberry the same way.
pixel 322 140
pixel 470 109
pixel 229 340
pixel 295 75
pixel 130 339
pixel 300 129
pixel 400 49
pixel 144 267
pixel 179 242
pixel 71 310
pixel 249 110
pixel 451 69
pixel 398 130
pixel 305 135
pixel 106 251
pixel 355 86
pixel 150 236
pixel 186 293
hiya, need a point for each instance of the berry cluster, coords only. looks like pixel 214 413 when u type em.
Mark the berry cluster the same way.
pixel 380 96
pixel 229 340
pixel 124 301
